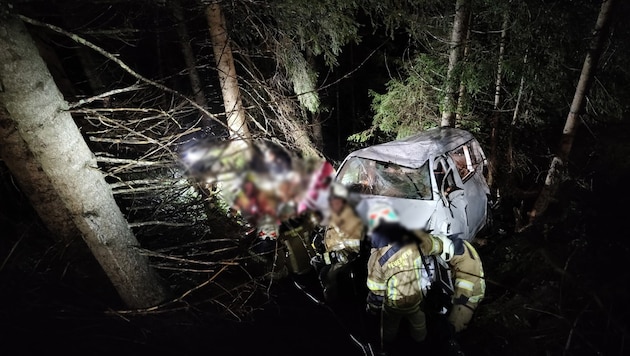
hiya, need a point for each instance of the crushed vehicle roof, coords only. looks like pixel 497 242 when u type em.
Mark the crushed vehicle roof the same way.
pixel 414 150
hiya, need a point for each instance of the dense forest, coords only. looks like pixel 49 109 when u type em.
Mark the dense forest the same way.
pixel 112 241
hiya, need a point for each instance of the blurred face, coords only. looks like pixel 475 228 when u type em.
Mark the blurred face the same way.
pixel 336 205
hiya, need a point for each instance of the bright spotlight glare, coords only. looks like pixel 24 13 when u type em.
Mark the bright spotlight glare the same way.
pixel 193 156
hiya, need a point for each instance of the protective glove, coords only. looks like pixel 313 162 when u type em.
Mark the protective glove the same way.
pixel 428 244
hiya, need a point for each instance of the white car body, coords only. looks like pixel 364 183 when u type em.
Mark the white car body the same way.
pixel 434 180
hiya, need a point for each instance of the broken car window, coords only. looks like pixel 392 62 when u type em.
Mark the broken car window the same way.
pixel 366 176
pixel 468 158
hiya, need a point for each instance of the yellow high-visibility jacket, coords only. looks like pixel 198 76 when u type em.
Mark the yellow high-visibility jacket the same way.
pixel 345 231
pixel 470 285
pixel 394 272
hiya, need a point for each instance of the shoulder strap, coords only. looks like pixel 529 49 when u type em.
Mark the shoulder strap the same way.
pixel 387 255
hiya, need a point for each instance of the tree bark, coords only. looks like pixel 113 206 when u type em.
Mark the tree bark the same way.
pixel 559 162
pixel 458 35
pixel 316 120
pixel 318 135
pixel 496 117
pixel 34 183
pixel 37 110
pixel 236 121
pixel 461 94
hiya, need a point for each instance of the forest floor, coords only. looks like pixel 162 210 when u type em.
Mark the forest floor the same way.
pixel 555 289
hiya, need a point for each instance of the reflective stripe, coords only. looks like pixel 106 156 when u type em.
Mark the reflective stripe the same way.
pixel 464 284
pixel 417 264
pixel 327 258
pixel 482 280
pixel 376 286
pixel 389 253
pixel 482 283
pixel 392 290
pixel 352 243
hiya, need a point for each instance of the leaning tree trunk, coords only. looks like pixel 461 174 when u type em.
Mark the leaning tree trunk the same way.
pixel 34 183
pixel 236 122
pixel 460 26
pixel 37 112
pixel 559 161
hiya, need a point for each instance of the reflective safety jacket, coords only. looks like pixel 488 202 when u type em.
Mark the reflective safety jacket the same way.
pixel 345 231
pixel 396 272
pixel 470 285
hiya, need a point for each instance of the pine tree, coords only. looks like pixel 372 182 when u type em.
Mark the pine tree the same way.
pixel 36 107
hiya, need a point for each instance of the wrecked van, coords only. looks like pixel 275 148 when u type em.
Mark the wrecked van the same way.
pixel 434 179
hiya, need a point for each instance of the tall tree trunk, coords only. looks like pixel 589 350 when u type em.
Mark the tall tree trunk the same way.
pixel 37 108
pixel 34 183
pixel 496 116
pixel 236 121
pixel 559 162
pixel 515 114
pixel 460 26
pixel 318 135
pixel 316 120
pixel 461 94
pixel 189 58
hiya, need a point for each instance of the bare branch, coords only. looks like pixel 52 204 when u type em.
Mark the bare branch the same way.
pixel 120 141
pixel 163 223
pixel 104 95
pixel 187 260
pixel 120 63
pixel 133 162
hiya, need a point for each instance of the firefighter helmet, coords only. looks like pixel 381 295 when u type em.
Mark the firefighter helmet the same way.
pixel 380 212
pixel 338 190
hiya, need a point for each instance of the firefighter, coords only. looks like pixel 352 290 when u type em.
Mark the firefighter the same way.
pixel 394 273
pixel 469 285
pixel 342 241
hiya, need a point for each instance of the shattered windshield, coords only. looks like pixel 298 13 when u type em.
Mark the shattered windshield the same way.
pixel 366 176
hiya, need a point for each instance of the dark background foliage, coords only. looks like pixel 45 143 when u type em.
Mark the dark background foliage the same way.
pixel 557 288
